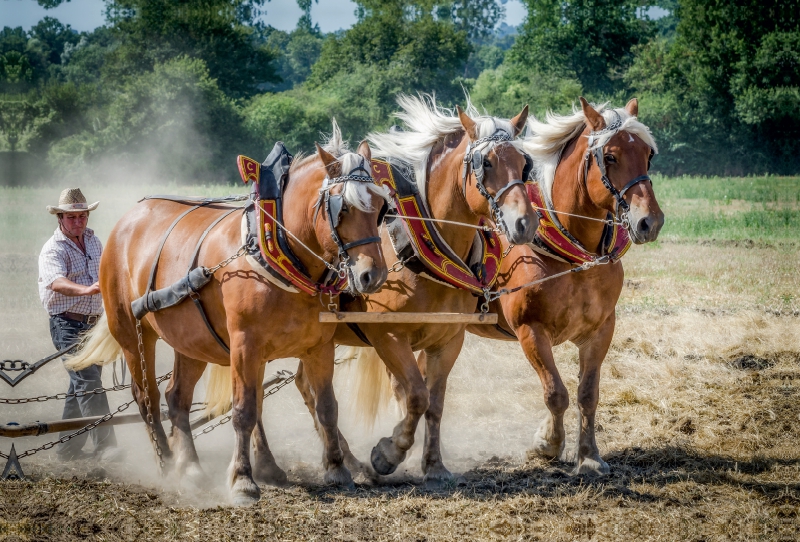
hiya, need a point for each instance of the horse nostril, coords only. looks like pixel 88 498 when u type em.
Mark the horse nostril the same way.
pixel 644 226
pixel 366 279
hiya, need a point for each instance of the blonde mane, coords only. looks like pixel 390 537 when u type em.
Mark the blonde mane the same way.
pixel 356 194
pixel 546 140
pixel 426 123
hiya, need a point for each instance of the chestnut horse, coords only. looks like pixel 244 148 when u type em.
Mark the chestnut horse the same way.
pixel 435 144
pixel 257 319
pixel 577 307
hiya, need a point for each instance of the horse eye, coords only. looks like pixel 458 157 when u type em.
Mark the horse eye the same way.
pixel 487 164
pixel 610 159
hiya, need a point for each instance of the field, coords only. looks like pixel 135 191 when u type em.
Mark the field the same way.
pixel 698 416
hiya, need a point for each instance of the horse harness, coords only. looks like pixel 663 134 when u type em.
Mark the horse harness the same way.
pixel 599 157
pixel 473 158
pixel 271 189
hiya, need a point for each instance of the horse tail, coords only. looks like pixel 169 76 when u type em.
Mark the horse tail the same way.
pixel 218 390
pixel 98 347
pixel 373 389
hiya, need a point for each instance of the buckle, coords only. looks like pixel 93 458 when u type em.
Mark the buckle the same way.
pixel 91 319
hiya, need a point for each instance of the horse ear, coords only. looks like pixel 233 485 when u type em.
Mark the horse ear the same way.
pixel 519 121
pixel 328 159
pixel 468 124
pixel 365 151
pixel 594 119
pixel 632 107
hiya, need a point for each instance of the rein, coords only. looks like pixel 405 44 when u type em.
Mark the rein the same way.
pixel 473 158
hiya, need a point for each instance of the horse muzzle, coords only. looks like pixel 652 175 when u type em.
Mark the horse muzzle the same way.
pixel 645 228
pixel 367 278
pixel 520 228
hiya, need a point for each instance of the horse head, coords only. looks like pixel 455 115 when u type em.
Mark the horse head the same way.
pixel 352 202
pixel 494 175
pixel 616 171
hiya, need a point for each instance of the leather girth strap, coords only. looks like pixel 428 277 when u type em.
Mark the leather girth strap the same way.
pixel 195 279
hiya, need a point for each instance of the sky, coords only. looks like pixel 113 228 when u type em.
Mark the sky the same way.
pixel 83 15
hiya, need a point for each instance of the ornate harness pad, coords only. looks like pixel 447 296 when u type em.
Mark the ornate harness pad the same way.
pixel 552 238
pixel 418 243
pixel 266 241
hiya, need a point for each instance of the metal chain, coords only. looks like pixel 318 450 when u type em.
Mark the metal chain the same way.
pixel 11 365
pixel 80 431
pixel 149 419
pixel 239 253
pixel 59 396
pixel 84 429
pixel 229 417
pixel 493 296
pixel 397 266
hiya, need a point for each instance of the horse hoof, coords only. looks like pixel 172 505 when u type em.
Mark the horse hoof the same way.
pixel 385 457
pixel 546 449
pixel 245 492
pixel 438 477
pixel 271 475
pixel 592 466
pixel 339 477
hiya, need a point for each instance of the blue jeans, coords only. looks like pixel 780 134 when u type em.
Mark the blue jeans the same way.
pixel 67 332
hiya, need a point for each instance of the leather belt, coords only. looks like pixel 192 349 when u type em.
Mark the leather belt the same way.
pixel 89 319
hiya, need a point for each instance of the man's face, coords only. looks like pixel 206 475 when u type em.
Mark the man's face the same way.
pixel 74 224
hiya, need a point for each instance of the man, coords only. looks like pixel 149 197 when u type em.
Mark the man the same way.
pixel 68 272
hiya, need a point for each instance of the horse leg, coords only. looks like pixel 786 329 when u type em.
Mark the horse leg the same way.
pixel 265 469
pixel 317 370
pixel 179 393
pixel 438 364
pixel 399 358
pixel 350 461
pixel 246 394
pixel 549 439
pixel 591 354
pixel 125 332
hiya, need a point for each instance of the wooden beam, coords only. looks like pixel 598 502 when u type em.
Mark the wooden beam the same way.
pixel 408 317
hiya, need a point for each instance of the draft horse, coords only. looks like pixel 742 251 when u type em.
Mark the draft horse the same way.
pixel 469 167
pixel 257 319
pixel 590 166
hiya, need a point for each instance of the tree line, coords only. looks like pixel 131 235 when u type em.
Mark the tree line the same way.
pixel 179 88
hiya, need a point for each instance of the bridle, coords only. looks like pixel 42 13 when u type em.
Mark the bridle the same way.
pixel 600 159
pixel 335 205
pixel 473 158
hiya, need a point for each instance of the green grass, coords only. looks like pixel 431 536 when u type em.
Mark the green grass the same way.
pixel 765 209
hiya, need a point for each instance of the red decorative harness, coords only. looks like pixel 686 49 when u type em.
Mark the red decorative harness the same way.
pixel 430 249
pixel 557 241
pixel 270 250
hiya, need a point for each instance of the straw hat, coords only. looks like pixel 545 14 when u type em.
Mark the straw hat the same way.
pixel 72 200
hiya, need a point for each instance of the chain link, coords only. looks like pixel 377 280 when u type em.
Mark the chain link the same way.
pixel 84 429
pixel 239 253
pixel 11 365
pixel 397 266
pixel 60 396
pixel 229 417
pixel 149 419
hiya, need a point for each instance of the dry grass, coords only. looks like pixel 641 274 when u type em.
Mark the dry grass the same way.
pixel 698 419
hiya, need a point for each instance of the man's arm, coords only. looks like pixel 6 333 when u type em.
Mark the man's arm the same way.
pixel 64 286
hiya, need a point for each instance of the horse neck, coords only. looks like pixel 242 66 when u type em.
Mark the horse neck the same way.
pixel 571 195
pixel 299 197
pixel 447 201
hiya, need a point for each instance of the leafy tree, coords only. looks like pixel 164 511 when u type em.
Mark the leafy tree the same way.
pixel 222 33
pixel 727 87
pixel 587 39
pixel 297 52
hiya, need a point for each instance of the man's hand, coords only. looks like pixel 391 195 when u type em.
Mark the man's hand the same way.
pixel 66 287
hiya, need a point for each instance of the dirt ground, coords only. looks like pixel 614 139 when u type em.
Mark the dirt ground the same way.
pixel 698 419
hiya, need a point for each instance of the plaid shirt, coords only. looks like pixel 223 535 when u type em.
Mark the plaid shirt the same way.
pixel 61 257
